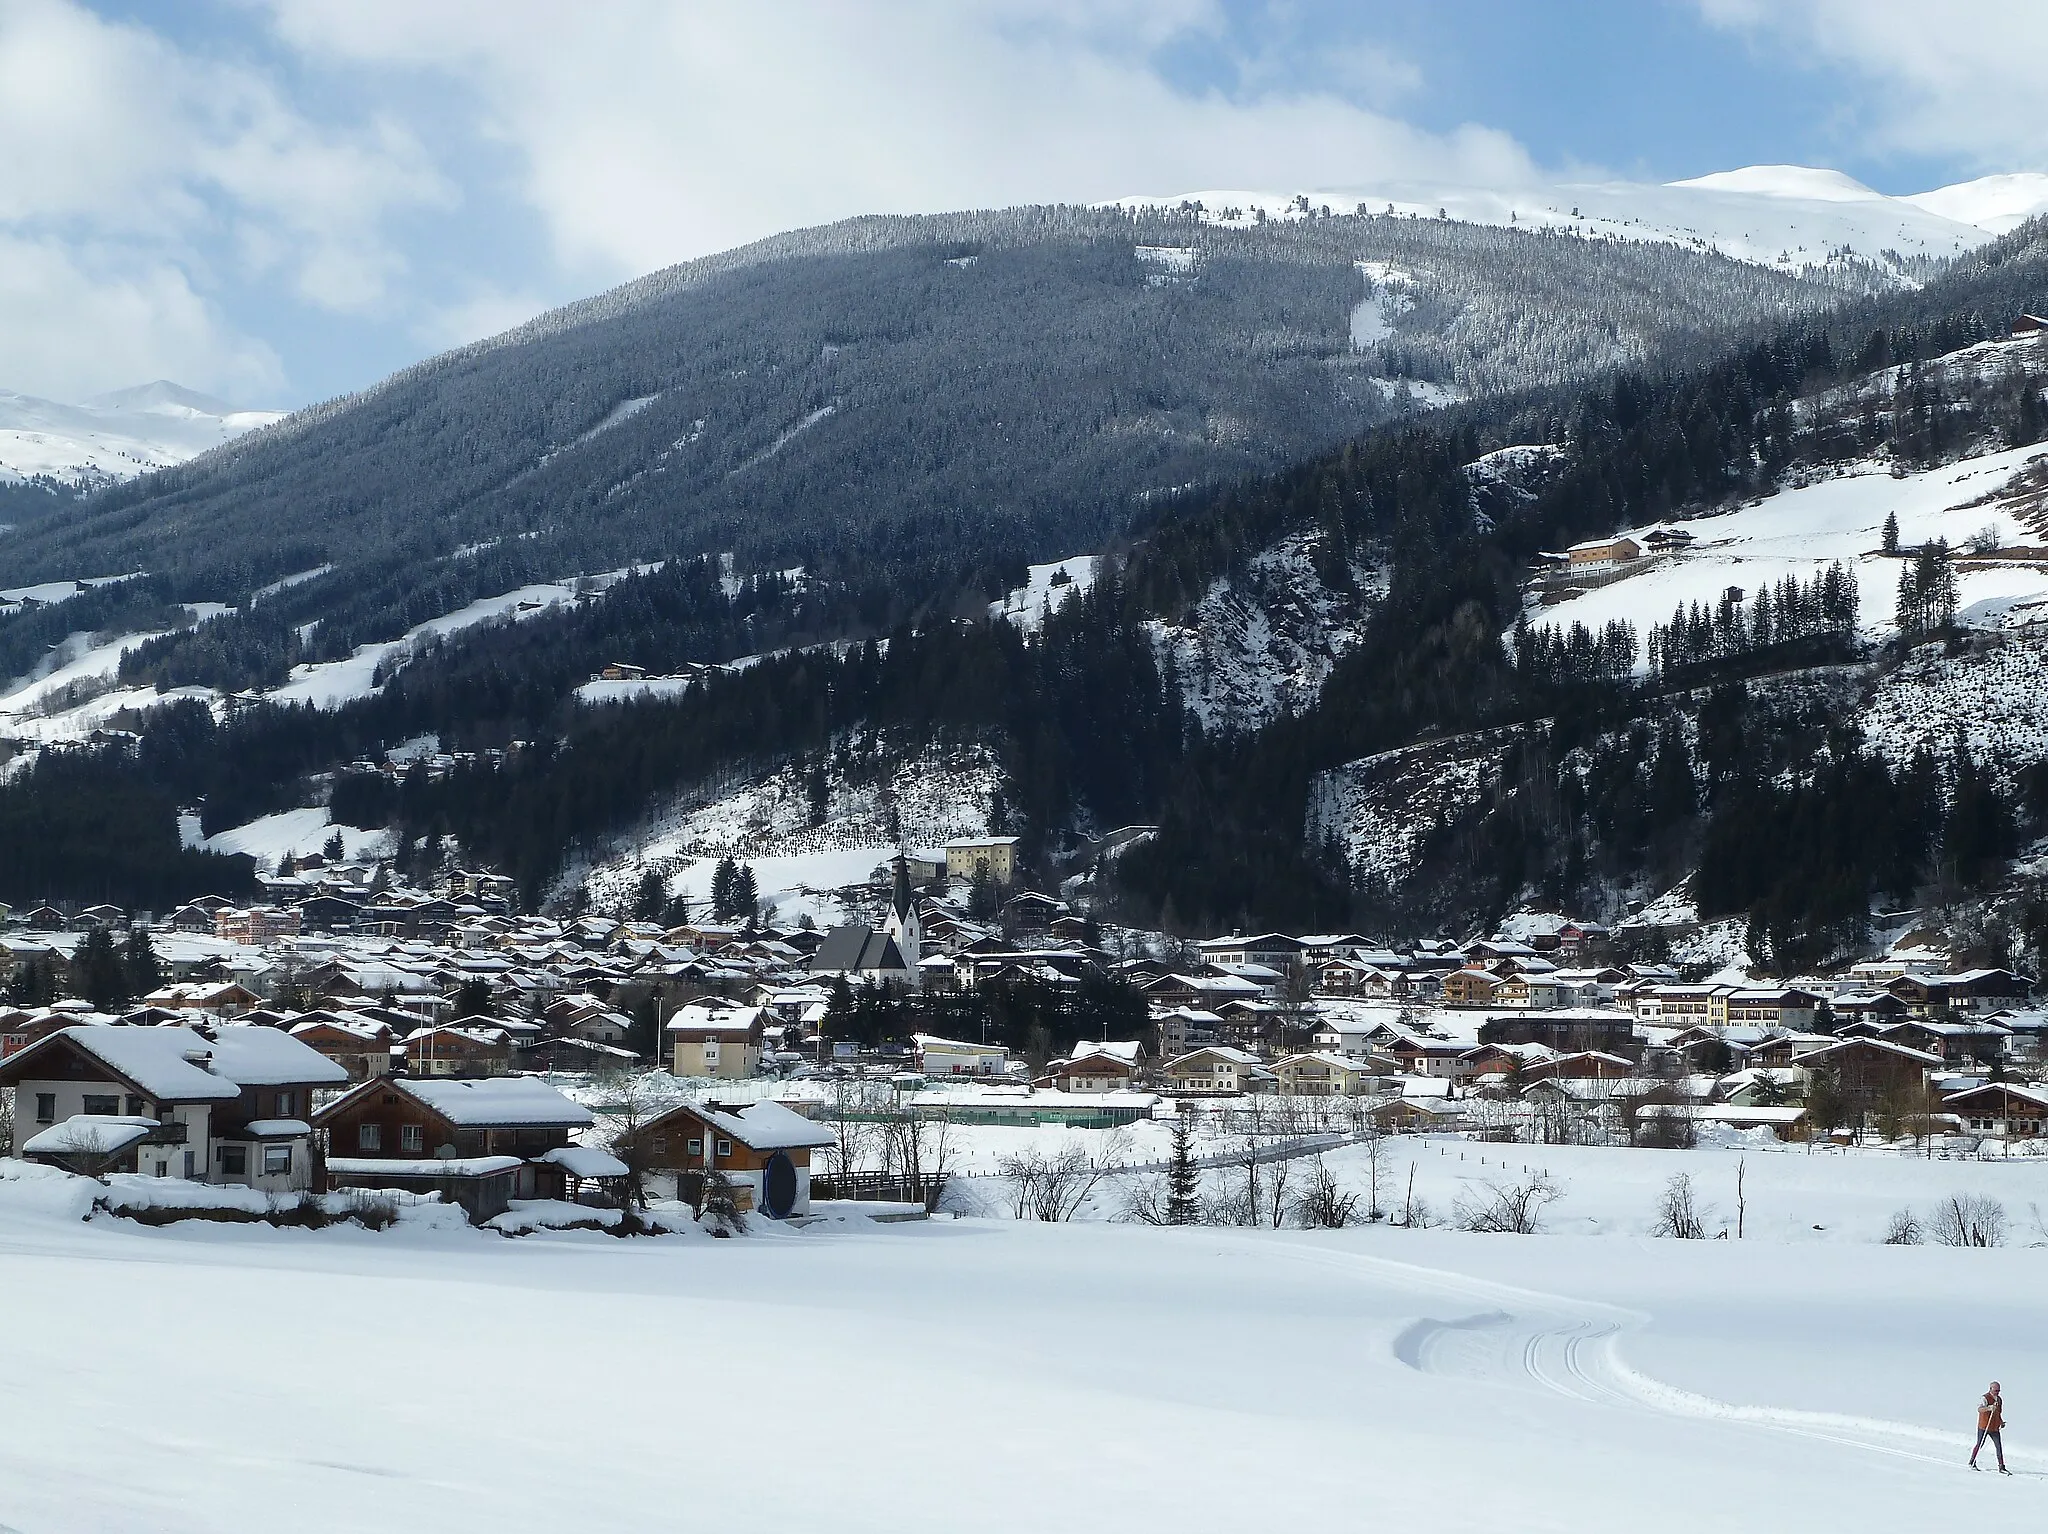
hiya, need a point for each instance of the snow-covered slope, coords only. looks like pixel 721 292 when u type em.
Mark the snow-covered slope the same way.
pixel 114 436
pixel 1262 645
pixel 877 798
pixel 1785 216
pixel 1801 531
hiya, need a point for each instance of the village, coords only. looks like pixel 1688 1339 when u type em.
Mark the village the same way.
pixel 358 1039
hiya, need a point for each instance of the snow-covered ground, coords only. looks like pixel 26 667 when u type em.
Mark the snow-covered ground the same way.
pixel 1802 531
pixel 929 1376
pixel 1262 646
pixel 1381 809
pixel 936 796
pixel 297 831
pixel 115 436
pixel 1785 216
pixel 1047 588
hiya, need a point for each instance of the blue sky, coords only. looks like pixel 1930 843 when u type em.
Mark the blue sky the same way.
pixel 281 200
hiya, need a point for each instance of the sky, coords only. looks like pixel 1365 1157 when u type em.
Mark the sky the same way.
pixel 279 201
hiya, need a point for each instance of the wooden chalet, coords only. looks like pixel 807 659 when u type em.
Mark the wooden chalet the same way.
pixel 763 1149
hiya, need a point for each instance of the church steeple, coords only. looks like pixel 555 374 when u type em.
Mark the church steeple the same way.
pixel 903 923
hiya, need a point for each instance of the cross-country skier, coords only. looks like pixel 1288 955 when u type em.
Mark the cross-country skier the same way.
pixel 1991 1424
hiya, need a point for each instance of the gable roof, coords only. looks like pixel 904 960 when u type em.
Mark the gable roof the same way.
pixel 759 1126
pixel 853 950
pixel 495 1102
pixel 169 1064
pixel 255 1056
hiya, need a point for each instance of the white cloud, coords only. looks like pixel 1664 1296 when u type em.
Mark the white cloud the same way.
pixel 141 177
pixel 645 132
pixel 74 322
pixel 1956 78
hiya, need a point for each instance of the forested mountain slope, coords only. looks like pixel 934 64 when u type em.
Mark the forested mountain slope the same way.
pixel 935 395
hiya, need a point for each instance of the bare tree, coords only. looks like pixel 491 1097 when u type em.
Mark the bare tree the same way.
pixel 1904 1230
pixel 919 1148
pixel 1056 1187
pixel 850 1113
pixel 1510 1209
pixel 1969 1219
pixel 1679 1215
pixel 626 1103
pixel 1375 1170
pixel 1324 1205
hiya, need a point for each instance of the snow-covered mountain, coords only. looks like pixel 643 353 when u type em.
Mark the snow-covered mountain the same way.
pixel 1787 216
pixel 114 436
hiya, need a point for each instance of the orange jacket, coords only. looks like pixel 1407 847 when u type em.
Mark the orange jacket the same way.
pixel 1991 1414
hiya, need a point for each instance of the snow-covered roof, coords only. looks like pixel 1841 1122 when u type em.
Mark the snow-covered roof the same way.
pixel 170 1064
pixel 496 1100
pixel 764 1126
pixel 90 1134
pixel 255 1056
pixel 454 1166
pixel 586 1161
pixel 1126 1051
pixel 278 1129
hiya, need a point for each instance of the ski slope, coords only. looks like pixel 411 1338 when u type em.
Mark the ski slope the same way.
pixel 929 1377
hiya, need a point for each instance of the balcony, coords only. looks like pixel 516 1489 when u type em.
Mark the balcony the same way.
pixel 171 1132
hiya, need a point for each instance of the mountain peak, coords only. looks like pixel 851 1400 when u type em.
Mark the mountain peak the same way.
pixel 1802 181
pixel 161 398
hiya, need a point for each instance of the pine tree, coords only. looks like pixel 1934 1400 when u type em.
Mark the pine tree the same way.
pixel 1891 533
pixel 145 973
pixel 288 864
pixel 1183 1178
pixel 746 895
pixel 334 849
pixel 723 878
pixel 97 973
pixel 651 898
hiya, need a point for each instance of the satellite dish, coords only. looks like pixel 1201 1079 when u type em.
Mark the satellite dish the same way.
pixel 446 1152
pixel 778 1187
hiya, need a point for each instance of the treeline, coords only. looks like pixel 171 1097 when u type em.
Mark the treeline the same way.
pixel 1737 628
pixel 94 825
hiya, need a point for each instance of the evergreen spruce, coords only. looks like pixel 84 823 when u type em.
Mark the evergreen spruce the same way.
pixel 1183 1177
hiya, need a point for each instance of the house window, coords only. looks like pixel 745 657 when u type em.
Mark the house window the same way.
pixel 277 1160
pixel 287 1104
pixel 695 1147
pixel 369 1137
pixel 98 1103
pixel 412 1137
pixel 661 1145
pixel 234 1160
pixel 725 1147
pixel 46 1107
pixel 137 1108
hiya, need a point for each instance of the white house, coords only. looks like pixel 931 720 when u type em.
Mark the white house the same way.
pixel 937 1057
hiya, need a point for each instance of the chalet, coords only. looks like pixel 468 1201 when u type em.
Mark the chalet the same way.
pixel 1101 1067
pixel 991 857
pixel 1029 911
pixel 223 1000
pixel 1324 1075
pixel 2002 1109
pixel 1584 1065
pixel 939 1058
pixel 1184 1028
pixel 763 1148
pixel 1868 1073
pixel 255 926
pixel 1975 990
pixel 1441 1058
pixel 1979 1040
pixel 480 1143
pixel 478 1049
pixel 1568 1030
pixel 359 1045
pixel 1602 554
pixel 1274 950
pixel 2028 325
pixel 1785 1007
pixel 1470 988
pixel 231 1109
pixel 1219 1068
pixel 723 1043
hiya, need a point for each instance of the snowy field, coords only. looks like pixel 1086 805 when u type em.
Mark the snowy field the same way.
pixel 990 1375
pixel 1800 532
